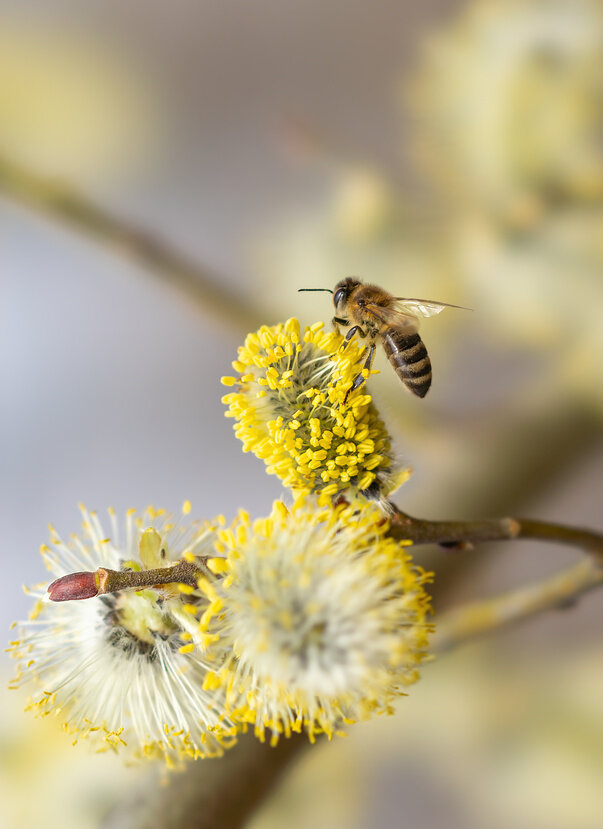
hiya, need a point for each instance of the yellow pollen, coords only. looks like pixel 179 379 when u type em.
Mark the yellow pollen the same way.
pixel 294 411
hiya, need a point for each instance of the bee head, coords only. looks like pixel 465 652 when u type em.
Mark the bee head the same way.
pixel 343 290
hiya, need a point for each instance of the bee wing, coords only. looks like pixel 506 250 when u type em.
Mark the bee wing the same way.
pixel 394 317
pixel 425 307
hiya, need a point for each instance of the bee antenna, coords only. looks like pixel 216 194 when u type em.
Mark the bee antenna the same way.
pixel 315 289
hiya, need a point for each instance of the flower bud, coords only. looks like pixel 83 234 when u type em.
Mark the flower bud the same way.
pixel 83 585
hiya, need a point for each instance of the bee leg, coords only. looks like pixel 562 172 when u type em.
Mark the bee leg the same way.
pixel 368 363
pixel 355 329
pixel 337 322
pixel 360 378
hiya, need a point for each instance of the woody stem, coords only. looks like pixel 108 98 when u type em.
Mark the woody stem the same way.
pixel 183 572
pixel 449 533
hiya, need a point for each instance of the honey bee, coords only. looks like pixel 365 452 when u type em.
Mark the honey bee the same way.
pixel 369 311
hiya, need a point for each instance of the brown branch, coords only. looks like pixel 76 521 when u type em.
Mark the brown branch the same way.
pixel 456 626
pixel 61 201
pixel 183 572
pixel 86 585
pixel 449 533
pixel 587 540
pixel 452 533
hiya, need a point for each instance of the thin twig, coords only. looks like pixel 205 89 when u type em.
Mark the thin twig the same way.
pixel 90 583
pixel 456 626
pixel 61 201
pixel 450 533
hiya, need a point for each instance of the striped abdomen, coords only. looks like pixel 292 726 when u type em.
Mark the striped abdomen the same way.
pixel 408 356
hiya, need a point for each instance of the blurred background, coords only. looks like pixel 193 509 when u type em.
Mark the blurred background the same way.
pixel 448 150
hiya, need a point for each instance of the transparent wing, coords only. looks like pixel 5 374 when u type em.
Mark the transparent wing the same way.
pixel 394 317
pixel 425 307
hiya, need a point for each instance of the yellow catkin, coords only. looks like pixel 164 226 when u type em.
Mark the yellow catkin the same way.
pixel 60 647
pixel 292 408
pixel 282 556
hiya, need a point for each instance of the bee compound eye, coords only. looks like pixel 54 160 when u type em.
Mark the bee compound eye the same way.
pixel 339 296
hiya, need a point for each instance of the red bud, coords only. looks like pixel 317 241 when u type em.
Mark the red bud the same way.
pixel 73 586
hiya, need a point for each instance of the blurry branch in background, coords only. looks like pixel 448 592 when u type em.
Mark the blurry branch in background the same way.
pixel 477 618
pixel 220 794
pixel 511 447
pixel 62 202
